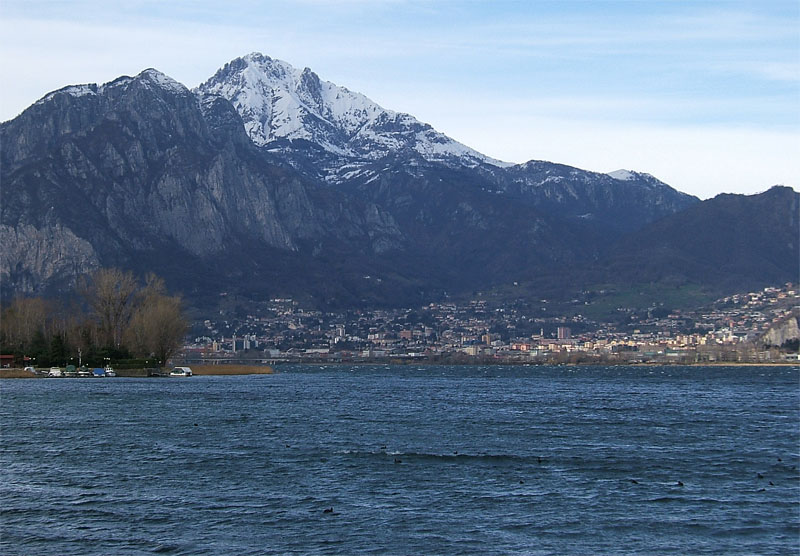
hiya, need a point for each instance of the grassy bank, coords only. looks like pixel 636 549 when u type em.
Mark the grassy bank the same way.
pixel 16 373
pixel 232 370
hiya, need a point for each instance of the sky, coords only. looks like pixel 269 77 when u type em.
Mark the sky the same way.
pixel 704 95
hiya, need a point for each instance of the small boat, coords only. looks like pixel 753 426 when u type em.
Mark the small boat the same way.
pixel 109 371
pixel 55 372
pixel 181 371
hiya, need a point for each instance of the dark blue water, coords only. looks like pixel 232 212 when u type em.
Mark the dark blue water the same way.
pixel 436 460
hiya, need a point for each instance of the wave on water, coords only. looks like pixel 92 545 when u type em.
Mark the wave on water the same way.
pixel 446 457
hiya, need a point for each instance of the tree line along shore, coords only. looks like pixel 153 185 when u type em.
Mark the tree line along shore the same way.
pixel 111 317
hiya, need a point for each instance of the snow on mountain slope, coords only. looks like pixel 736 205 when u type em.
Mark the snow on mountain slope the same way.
pixel 147 77
pixel 279 102
pixel 642 177
pixel 622 175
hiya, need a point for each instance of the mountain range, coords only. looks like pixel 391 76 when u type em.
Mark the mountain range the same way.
pixel 267 181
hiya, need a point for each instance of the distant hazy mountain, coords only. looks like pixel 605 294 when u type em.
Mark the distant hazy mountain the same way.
pixel 268 181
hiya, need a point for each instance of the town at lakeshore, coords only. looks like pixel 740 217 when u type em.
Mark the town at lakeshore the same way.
pixel 757 327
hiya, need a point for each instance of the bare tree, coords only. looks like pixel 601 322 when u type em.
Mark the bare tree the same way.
pixel 158 325
pixel 22 320
pixel 110 293
pixel 80 334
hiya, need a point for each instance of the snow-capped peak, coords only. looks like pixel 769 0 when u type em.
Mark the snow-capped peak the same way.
pixel 278 101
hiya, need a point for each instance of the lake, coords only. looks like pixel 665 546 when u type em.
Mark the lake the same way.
pixel 411 460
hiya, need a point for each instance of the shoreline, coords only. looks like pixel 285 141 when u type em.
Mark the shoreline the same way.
pixel 241 370
pixel 489 363
pixel 199 370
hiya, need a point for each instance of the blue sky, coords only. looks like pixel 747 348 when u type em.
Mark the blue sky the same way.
pixel 704 95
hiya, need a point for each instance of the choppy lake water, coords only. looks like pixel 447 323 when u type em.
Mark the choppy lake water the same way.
pixel 430 460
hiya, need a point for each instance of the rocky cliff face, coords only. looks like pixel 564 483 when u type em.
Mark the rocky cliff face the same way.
pixel 141 167
pixel 31 257
pixel 786 331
